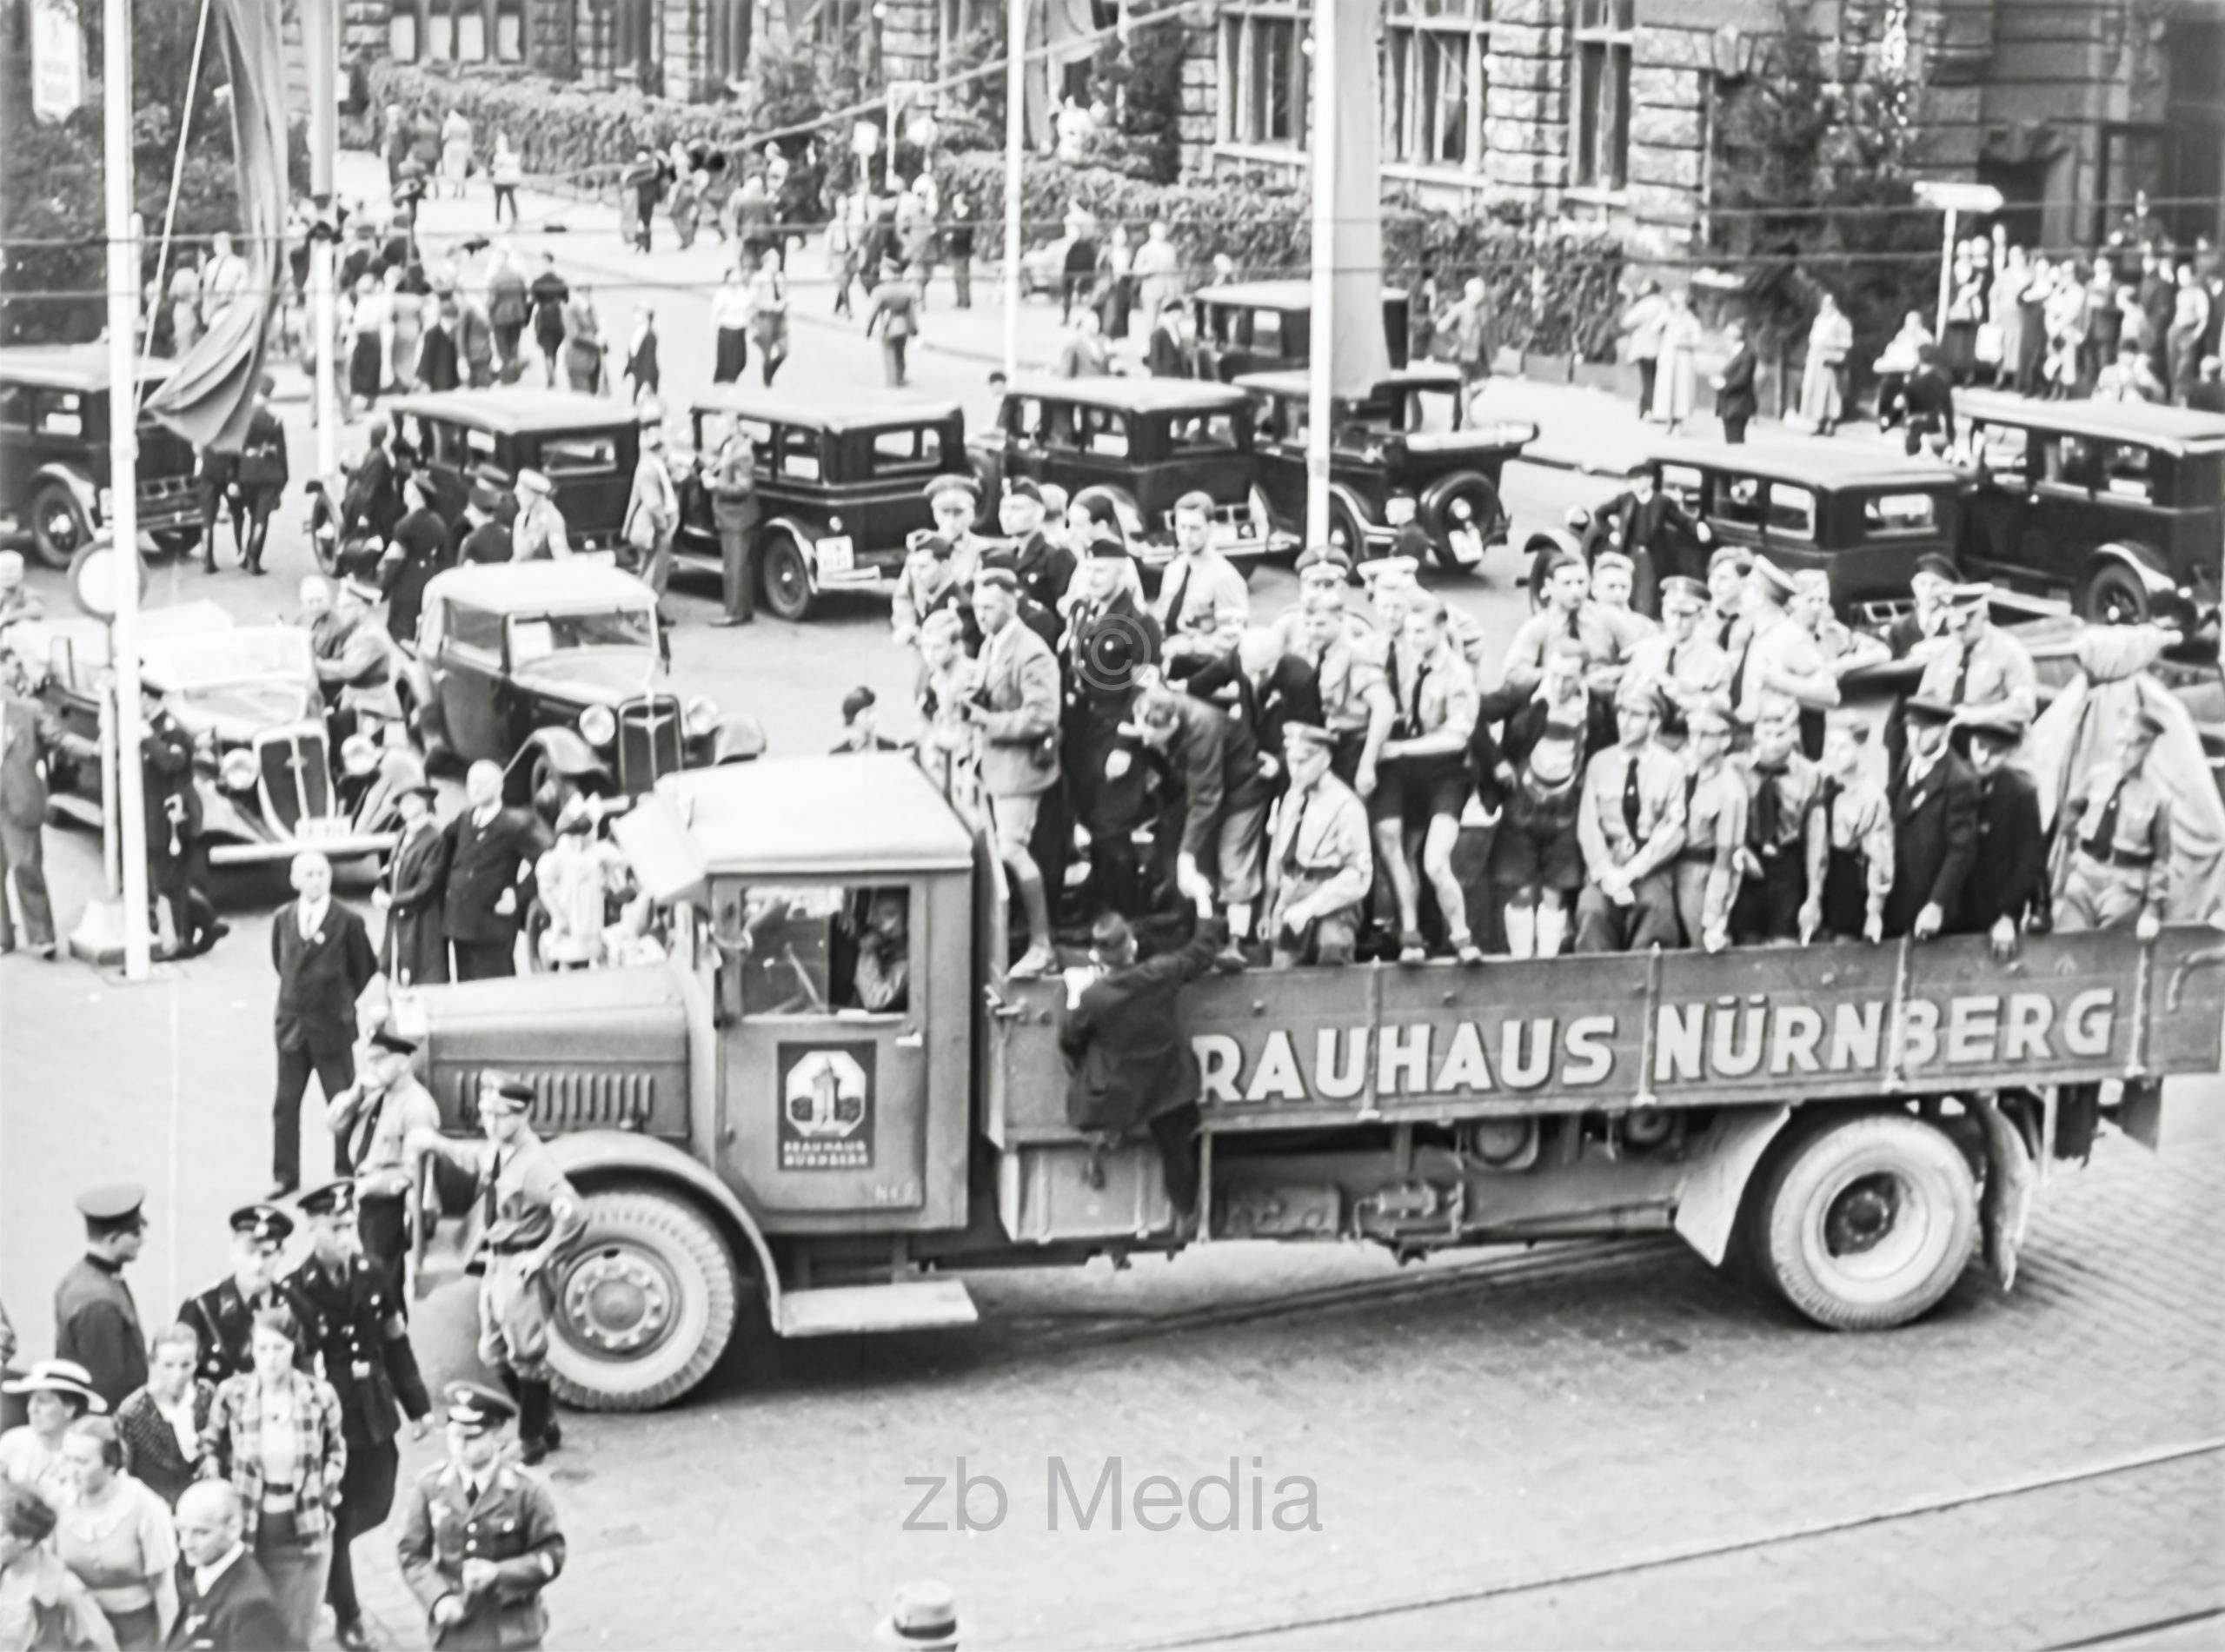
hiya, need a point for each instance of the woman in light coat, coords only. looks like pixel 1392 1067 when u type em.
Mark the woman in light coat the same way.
pixel 1823 380
pixel 1677 388
pixel 455 152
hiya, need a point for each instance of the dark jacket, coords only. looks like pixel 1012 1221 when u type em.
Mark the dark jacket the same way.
pixel 373 503
pixel 1212 763
pixel 1735 400
pixel 513 1524
pixel 173 800
pixel 152 1453
pixel 1930 400
pixel 29 735
pixel 1934 837
pixel 360 1344
pixel 2009 873
pixel 224 1319
pixel 238 1613
pixel 490 541
pixel 417 551
pixel 1130 1058
pixel 96 1324
pixel 1043 569
pixel 320 977
pixel 1169 356
pixel 482 865
pixel 263 471
pixel 1291 695
pixel 417 952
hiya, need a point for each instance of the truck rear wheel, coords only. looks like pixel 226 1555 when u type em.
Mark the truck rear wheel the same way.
pixel 647 1306
pixel 1867 1222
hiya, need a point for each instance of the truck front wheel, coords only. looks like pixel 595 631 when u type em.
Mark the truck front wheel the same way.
pixel 645 1307
pixel 1867 1222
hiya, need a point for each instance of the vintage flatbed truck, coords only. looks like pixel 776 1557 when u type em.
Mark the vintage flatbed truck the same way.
pixel 1857 1122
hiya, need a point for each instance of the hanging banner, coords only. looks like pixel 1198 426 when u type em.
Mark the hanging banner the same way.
pixel 57 60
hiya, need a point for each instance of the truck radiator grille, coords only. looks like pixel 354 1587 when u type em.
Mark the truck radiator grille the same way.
pixel 297 781
pixel 575 1098
pixel 649 741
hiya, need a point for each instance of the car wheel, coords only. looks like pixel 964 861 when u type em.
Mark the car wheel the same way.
pixel 2114 595
pixel 645 1304
pixel 1345 532
pixel 786 578
pixel 60 527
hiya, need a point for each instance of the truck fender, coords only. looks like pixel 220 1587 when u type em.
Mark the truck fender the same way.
pixel 741 738
pixel 2154 571
pixel 566 751
pixel 1707 1205
pixel 806 541
pixel 79 484
pixel 590 1156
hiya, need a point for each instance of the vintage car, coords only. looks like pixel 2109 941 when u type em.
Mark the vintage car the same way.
pixel 2117 508
pixel 249 695
pixel 54 456
pixel 1404 452
pixel 1263 326
pixel 1142 444
pixel 557 670
pixel 1863 514
pixel 839 483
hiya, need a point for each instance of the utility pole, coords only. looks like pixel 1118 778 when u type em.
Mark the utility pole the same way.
pixel 1325 119
pixel 1015 170
pixel 320 56
pixel 123 474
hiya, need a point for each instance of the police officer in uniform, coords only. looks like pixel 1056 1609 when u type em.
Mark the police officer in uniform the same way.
pixel 95 1320
pixel 2119 867
pixel 532 1213
pixel 223 1315
pixel 373 1119
pixel 478 1538
pixel 177 858
pixel 362 1345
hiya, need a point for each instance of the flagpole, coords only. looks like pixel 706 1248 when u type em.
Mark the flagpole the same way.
pixel 1015 170
pixel 123 474
pixel 1325 114
pixel 321 52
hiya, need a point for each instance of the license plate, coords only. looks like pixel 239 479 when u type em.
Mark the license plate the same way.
pixel 1467 546
pixel 836 556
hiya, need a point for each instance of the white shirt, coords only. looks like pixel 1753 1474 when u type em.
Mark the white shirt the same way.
pixel 179 1417
pixel 312 918
pixel 204 1577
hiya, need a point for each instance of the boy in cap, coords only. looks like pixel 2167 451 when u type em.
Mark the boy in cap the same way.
pixel 1974 665
pixel 2008 886
pixel 1321 860
pixel 1850 840
pixel 1707 872
pixel 1631 824
pixel 1533 777
pixel 354 1321
pixel 96 1319
pixel 223 1315
pixel 1045 570
pixel 1016 710
pixel 1203 603
pixel 2119 819
pixel 955 500
pixel 479 1538
pixel 533 1215
pixel 372 1121
pixel 1780 661
pixel 1934 798
pixel 1686 667
pixel 1782 791
pixel 861 724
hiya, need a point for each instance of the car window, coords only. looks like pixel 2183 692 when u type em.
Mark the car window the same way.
pixel 537 636
pixel 450 445
pixel 2003 446
pixel 1899 514
pixel 1431 411
pixel 1022 415
pixel 1683 485
pixel 1792 511
pixel 62 412
pixel 1202 433
pixel 1738 502
pixel 477 444
pixel 2128 471
pixel 15 407
pixel 1220 324
pixel 475 630
pixel 908 449
pixel 1267 332
pixel 579 455
pixel 799 460
pixel 411 429
pixel 817 949
pixel 1101 431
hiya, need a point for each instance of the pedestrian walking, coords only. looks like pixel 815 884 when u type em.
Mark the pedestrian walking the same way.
pixel 274 1431
pixel 161 1423
pixel 455 152
pixel 440 365
pixel 491 848
pixel 1115 283
pixel 584 343
pixel 222 1317
pixel 475 340
pixel 414 952
pixel 843 232
pixel 479 1538
pixel 42 1602
pixel 31 738
pixel 225 1598
pixel 509 307
pixel 1642 324
pixel 730 328
pixel 1675 389
pixel 505 172
pixel 261 475
pixel 1079 266
pixel 1822 377
pixel 641 185
pixel 534 1216
pixel 371 1123
pixel 896 312
pixel 731 480
pixel 177 856
pixel 116 1534
pixel 95 1321
pixel 1735 401
pixel 539 531
pixel 324 961
pixel 1158 270
pixel 653 511
pixel 550 294
pixel 355 1324
pixel 768 316
pixel 55 1393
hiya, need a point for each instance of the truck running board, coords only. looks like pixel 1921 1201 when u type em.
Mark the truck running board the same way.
pixel 924 1305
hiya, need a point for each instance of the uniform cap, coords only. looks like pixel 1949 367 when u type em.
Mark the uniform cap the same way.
pixel 1002 579
pixel 530 481
pixel 1938 566
pixel 510 1096
pixel 1612 559
pixel 394 1042
pixel 935 545
pixel 1684 594
pixel 1773 578
pixel 1307 734
pixel 58 1376
pixel 954 483
pixel 114 1205
pixel 1105 545
pixel 1931 713
pixel 1389 573
pixel 1324 555
pixel 476 1409
pixel 1023 488
pixel 1730 555
pixel 264 1224
pixel 335 1198
pixel 857 700
pixel 923 1615
pixel 1706 720
pixel 1962 599
pixel 1999 722
pixel 485 496
pixel 1812 581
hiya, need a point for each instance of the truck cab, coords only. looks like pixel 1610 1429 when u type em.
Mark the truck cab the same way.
pixel 822 1088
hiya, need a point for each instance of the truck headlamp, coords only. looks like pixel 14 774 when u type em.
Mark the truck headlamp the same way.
pixel 359 755
pixel 236 771
pixel 598 725
pixel 702 716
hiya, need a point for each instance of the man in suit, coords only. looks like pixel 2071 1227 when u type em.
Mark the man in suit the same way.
pixel 178 857
pixel 1130 1060
pixel 1644 524
pixel 29 736
pixel 1934 798
pixel 1017 710
pixel 416 953
pixel 2008 886
pixel 1044 570
pixel 491 852
pixel 324 961
pixel 1735 401
pixel 225 1603
pixel 480 1539
pixel 223 1317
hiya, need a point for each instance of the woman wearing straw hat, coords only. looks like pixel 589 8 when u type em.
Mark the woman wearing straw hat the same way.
pixel 56 1393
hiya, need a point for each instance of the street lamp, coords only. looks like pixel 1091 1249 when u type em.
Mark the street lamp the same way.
pixel 1954 199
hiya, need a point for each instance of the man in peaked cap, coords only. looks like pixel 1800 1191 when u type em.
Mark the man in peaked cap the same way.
pixel 1045 570
pixel 1973 665
pixel 223 1315
pixel 534 1215
pixel 1685 666
pixel 2008 886
pixel 2119 869
pixel 1933 575
pixel 479 1538
pixel 95 1320
pixel 1934 799
pixel 371 1123
pixel 1780 661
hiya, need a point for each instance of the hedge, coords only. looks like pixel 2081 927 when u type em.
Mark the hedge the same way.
pixel 1554 287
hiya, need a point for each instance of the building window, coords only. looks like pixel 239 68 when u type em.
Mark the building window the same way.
pixel 1603 93
pixel 1265 71
pixel 1433 82
pixel 456 31
pixel 729 41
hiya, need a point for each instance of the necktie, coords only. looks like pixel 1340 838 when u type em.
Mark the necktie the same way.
pixel 1962 679
pixel 1738 677
pixel 1574 635
pixel 1181 595
pixel 2105 830
pixel 1768 810
pixel 1632 801
pixel 492 1204
pixel 1290 850
pixel 1414 705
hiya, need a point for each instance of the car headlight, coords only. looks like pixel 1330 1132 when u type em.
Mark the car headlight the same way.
pixel 237 770
pixel 1461 510
pixel 599 725
pixel 834 524
pixel 1397 510
pixel 702 716
pixel 359 755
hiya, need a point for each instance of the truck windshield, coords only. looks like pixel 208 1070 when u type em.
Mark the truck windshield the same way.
pixel 826 949
pixel 537 637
